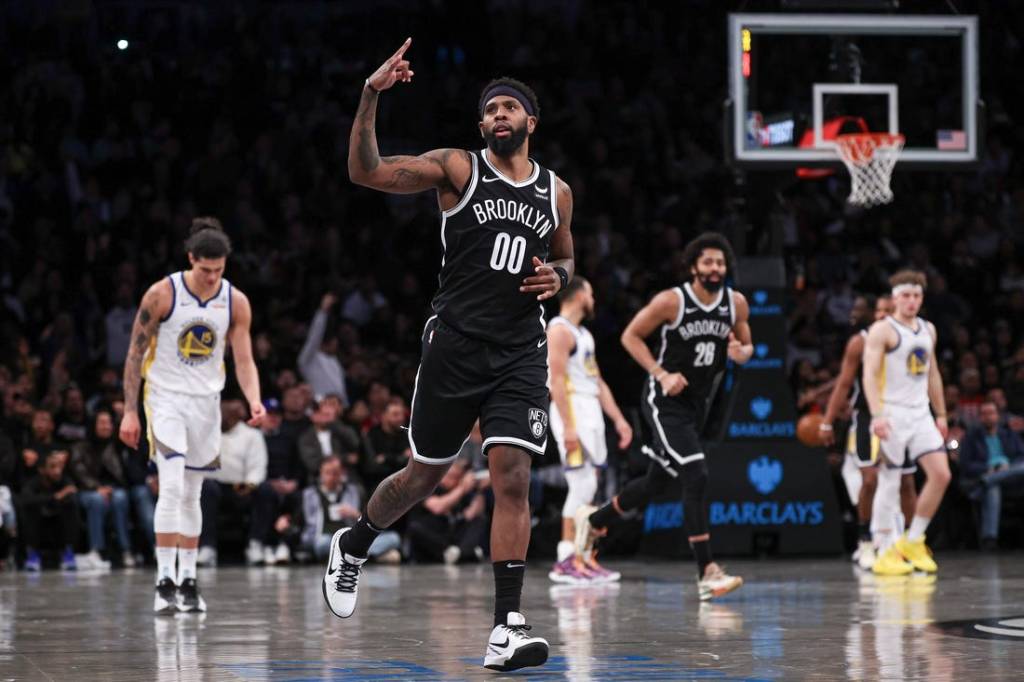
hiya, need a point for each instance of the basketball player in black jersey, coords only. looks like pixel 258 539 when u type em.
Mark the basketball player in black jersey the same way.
pixel 701 323
pixel 507 246
pixel 861 444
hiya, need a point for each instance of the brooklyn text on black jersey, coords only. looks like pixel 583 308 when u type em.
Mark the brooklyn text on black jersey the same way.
pixel 696 343
pixel 490 238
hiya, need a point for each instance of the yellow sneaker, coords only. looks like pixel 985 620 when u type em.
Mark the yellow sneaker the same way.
pixel 891 562
pixel 917 553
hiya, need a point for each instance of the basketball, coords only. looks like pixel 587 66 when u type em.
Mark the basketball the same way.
pixel 807 429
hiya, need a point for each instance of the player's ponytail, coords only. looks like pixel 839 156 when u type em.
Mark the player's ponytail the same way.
pixel 207 239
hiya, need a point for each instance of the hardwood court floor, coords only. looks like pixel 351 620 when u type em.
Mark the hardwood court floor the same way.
pixel 793 620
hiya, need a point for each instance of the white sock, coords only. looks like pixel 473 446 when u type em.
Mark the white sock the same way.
pixel 566 548
pixel 917 528
pixel 186 564
pixel 165 557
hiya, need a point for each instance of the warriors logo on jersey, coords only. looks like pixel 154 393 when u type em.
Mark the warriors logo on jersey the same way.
pixel 917 361
pixel 590 364
pixel 197 342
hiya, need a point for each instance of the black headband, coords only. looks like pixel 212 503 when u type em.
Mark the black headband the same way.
pixel 510 91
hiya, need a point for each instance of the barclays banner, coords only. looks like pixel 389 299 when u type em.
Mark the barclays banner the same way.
pixel 762 498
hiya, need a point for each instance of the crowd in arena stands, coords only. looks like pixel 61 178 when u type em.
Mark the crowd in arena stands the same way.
pixel 106 156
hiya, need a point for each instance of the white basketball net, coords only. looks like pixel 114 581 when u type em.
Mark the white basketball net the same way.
pixel 870 158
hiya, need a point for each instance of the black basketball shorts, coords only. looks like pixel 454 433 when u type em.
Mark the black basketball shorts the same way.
pixel 675 425
pixel 461 379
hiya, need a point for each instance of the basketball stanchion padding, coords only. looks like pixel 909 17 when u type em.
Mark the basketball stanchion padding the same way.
pixel 870 159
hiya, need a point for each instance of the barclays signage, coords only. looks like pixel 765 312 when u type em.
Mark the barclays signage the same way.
pixel 762 358
pixel 765 475
pixel 760 426
pixel 760 305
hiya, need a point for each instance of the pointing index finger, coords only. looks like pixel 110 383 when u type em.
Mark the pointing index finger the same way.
pixel 401 50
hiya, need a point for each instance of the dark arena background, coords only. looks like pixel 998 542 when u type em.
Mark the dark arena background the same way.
pixel 122 121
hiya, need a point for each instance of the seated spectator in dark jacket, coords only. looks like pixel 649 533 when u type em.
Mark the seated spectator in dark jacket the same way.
pixel 227 494
pixel 451 524
pixel 277 502
pixel 327 436
pixel 48 510
pixel 39 444
pixel 387 446
pixel 98 473
pixel 72 421
pixel 143 487
pixel 991 459
pixel 8 520
pixel 333 503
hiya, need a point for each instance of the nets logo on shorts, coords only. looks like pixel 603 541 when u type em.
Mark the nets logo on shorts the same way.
pixel 538 420
pixel 196 342
pixel 917 361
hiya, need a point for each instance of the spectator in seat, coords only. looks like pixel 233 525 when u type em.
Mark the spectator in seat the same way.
pixel 334 502
pixel 48 509
pixel 98 473
pixel 39 445
pixel 72 421
pixel 991 460
pixel 143 487
pixel 318 360
pixel 327 436
pixel 451 524
pixel 387 446
pixel 971 395
pixel 243 466
pixel 277 502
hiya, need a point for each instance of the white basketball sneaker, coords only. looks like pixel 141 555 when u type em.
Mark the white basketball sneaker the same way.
pixel 510 648
pixel 165 601
pixel 717 583
pixel 866 555
pixel 341 581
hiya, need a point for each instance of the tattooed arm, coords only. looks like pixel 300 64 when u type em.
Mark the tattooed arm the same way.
pixel 156 303
pixel 445 170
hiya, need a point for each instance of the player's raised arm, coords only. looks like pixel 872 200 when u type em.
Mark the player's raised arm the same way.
pixel 841 389
pixel 241 349
pixel 741 345
pixel 936 395
pixel 551 277
pixel 663 309
pixel 437 169
pixel 874 350
pixel 156 303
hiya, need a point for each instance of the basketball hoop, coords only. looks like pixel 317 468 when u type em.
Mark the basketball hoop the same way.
pixel 870 158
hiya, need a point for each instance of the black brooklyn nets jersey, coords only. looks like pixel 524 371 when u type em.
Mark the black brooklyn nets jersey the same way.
pixel 697 341
pixel 858 401
pixel 490 238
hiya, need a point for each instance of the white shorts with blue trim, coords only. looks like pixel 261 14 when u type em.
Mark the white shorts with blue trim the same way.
pixel 184 424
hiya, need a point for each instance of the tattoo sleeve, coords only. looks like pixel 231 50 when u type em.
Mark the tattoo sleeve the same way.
pixel 142 331
pixel 363 156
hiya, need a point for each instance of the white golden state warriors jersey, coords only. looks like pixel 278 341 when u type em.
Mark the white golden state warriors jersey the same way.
pixel 904 373
pixel 581 370
pixel 187 354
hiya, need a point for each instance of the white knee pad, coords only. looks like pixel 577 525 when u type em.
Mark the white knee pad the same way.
pixel 886 515
pixel 582 488
pixel 191 512
pixel 167 514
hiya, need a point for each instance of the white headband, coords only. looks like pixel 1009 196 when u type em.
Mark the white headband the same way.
pixel 907 286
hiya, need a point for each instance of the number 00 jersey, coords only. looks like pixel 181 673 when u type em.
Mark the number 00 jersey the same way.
pixel 187 353
pixel 490 238
pixel 696 342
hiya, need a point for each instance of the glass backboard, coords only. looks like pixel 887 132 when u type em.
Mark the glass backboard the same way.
pixel 798 80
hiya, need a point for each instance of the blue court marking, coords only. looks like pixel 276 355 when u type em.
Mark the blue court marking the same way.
pixel 615 668
pixel 350 669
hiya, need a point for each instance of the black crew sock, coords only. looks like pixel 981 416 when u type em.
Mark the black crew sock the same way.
pixel 701 552
pixel 508 588
pixel 604 516
pixel 358 540
pixel 864 531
